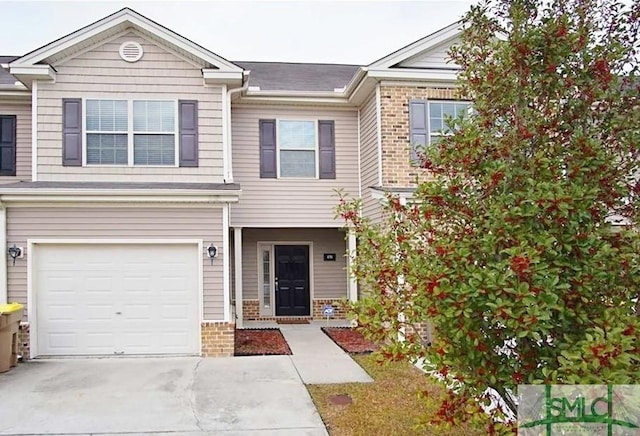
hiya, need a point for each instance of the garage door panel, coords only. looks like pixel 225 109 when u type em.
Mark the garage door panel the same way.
pixel 63 342
pixel 62 312
pixel 174 311
pixel 92 282
pixel 117 299
pixel 137 312
pixel 99 312
pixel 174 340
pixel 100 343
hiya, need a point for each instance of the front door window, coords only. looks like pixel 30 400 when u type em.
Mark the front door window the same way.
pixel 266 280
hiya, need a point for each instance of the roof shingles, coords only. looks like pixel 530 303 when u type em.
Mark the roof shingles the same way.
pixel 284 76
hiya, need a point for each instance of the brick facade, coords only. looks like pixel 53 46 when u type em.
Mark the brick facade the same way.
pixel 338 306
pixel 397 170
pixel 251 310
pixel 217 339
pixel 24 347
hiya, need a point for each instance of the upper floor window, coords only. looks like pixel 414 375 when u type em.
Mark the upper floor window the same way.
pixel 138 132
pixel 297 149
pixel 297 146
pixel 428 121
pixel 130 132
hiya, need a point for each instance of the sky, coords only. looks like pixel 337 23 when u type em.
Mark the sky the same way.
pixel 351 32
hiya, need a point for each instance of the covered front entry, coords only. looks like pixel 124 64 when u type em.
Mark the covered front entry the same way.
pixel 293 272
pixel 292 280
pixel 116 299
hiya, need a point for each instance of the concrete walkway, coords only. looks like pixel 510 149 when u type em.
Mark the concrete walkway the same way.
pixel 317 358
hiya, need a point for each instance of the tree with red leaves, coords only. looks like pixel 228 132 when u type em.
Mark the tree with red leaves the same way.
pixel 507 252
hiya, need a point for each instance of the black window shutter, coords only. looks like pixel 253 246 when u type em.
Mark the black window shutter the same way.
pixel 418 127
pixel 7 145
pixel 72 132
pixel 327 149
pixel 188 113
pixel 267 133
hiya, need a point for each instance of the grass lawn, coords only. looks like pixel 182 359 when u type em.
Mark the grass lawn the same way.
pixel 388 406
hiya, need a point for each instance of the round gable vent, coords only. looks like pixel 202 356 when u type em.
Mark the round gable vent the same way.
pixel 131 51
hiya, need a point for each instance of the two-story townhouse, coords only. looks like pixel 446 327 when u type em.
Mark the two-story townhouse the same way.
pixel 160 195
pixel 122 203
pixel 395 105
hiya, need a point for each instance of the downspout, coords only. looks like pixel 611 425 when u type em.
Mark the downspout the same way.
pixel 230 92
pixel 227 210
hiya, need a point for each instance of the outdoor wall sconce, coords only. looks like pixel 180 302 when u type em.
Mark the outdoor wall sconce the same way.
pixel 14 252
pixel 212 252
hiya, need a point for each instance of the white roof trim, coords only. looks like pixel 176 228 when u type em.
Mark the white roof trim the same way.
pixel 295 100
pixel 430 41
pixel 137 20
pixel 438 75
pixel 214 77
pixel 36 72
pixel 118 196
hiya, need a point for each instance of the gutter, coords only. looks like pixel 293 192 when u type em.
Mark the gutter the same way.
pixel 93 195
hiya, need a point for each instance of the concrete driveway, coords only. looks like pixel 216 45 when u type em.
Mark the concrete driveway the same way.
pixel 229 396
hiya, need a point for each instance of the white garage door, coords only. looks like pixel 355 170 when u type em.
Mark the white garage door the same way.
pixel 103 299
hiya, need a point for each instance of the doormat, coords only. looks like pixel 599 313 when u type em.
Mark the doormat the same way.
pixel 292 321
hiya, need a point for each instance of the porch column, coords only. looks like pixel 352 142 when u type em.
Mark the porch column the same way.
pixel 351 249
pixel 237 252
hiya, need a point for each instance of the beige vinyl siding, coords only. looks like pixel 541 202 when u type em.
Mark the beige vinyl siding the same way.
pixel 329 278
pixel 119 223
pixel 369 165
pixel 101 73
pixel 299 202
pixel 437 57
pixel 22 111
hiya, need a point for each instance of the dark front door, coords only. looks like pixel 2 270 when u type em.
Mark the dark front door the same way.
pixel 292 280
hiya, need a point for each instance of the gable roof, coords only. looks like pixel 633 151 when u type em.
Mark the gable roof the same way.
pixel 36 63
pixel 423 45
pixel 419 60
pixel 286 76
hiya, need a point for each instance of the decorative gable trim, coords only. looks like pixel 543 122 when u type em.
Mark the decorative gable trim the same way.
pixel 429 42
pixel 116 23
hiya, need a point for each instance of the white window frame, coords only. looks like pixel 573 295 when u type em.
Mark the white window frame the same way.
pixel 430 132
pixel 131 133
pixel 316 150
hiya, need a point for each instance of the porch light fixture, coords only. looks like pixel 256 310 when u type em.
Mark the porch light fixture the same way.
pixel 212 252
pixel 14 252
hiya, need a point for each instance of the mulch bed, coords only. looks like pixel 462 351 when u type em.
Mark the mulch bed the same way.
pixel 350 340
pixel 260 342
